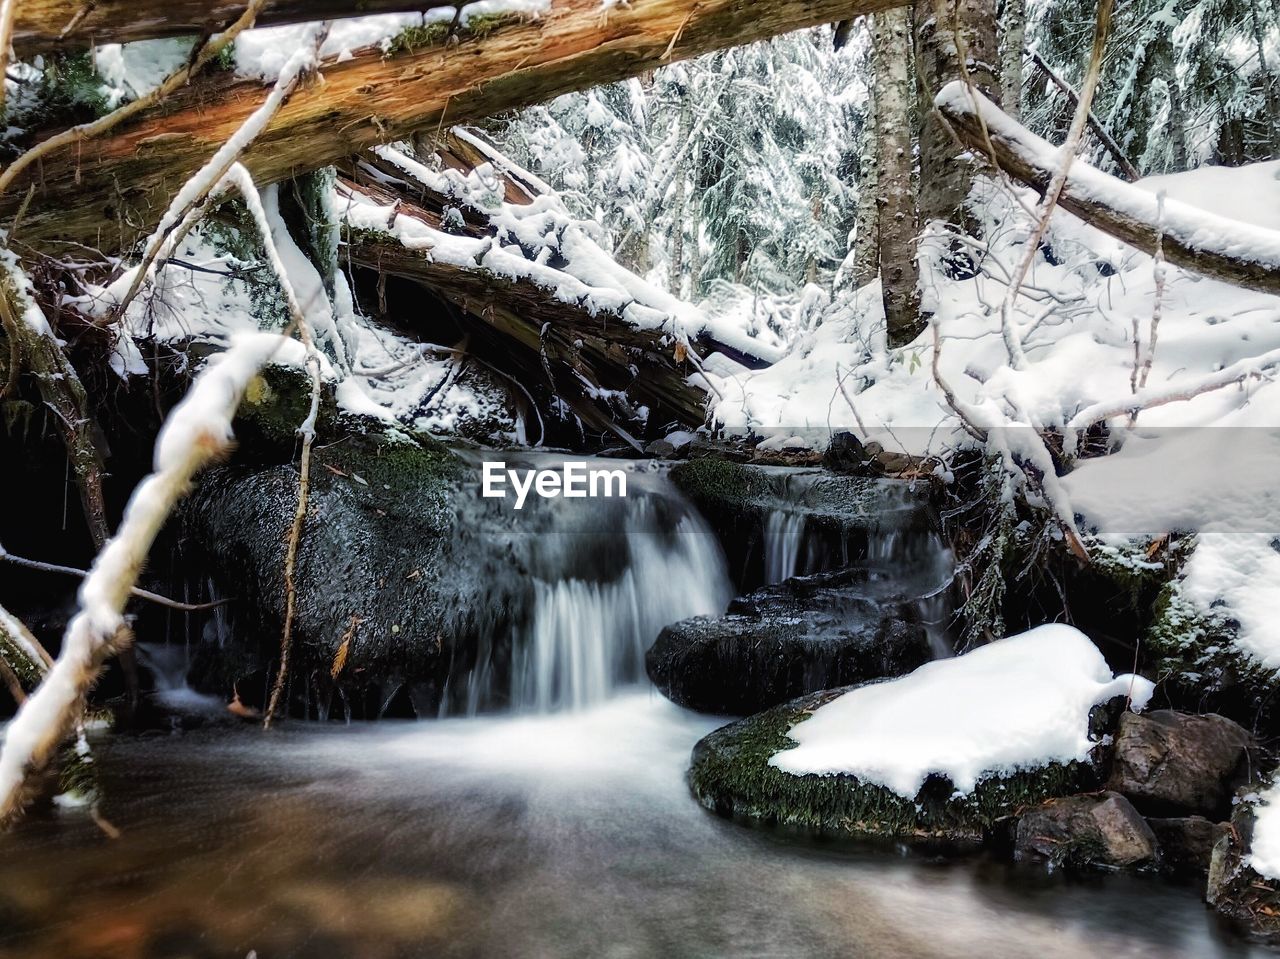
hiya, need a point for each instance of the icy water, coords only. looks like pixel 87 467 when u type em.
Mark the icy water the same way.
pixel 568 835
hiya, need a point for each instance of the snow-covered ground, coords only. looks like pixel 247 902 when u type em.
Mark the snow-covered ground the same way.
pixel 1013 705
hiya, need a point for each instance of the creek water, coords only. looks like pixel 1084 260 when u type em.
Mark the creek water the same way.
pixel 562 835
pixel 560 828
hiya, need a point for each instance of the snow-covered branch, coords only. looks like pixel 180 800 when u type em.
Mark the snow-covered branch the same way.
pixel 197 432
pixel 1239 253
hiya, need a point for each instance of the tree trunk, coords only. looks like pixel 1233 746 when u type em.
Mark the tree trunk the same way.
pixel 866 234
pixel 1229 250
pixel 952 38
pixel 105 191
pixel 43 26
pixel 1013 37
pixel 899 277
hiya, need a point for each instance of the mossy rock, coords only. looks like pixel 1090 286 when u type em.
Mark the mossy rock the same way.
pixel 841 513
pixel 731 776
pixel 1235 889
pixel 1200 666
pixel 392 591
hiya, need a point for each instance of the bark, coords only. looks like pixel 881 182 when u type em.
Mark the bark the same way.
pixel 110 189
pixel 953 38
pixel 63 393
pixel 1198 240
pixel 899 277
pixel 866 237
pixel 1013 37
pixel 42 26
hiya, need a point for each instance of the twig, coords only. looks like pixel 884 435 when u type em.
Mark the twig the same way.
pixel 1013 342
pixel 197 432
pixel 1104 137
pixel 199 191
pixel 7 557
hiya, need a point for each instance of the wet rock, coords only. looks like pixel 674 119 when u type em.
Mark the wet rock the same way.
pixel 840 515
pixel 846 454
pixel 780 642
pixel 1101 828
pixel 1186 843
pixel 1166 761
pixel 731 776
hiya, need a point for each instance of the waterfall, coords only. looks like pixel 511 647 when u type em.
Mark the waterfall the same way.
pixel 922 559
pixel 783 538
pixel 587 638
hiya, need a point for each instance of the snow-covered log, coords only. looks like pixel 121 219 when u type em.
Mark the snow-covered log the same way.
pixel 108 190
pixel 42 26
pixel 596 343
pixel 1198 240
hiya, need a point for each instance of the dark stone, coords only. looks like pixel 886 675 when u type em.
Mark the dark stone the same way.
pixel 842 515
pixel 1171 762
pixel 660 449
pixel 731 776
pixel 847 455
pixel 1186 843
pixel 1100 828
pixel 780 642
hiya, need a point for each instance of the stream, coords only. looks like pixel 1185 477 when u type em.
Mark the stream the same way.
pixel 559 835
pixel 560 826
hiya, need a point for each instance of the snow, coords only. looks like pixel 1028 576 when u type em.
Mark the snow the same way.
pixel 1016 704
pixel 1264 849
pixel 196 430
pixel 262 51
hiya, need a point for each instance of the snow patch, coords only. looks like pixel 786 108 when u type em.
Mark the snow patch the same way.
pixel 1017 704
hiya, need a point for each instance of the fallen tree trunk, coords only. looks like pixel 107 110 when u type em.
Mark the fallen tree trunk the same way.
pixel 108 190
pixel 43 26
pixel 582 354
pixel 1235 252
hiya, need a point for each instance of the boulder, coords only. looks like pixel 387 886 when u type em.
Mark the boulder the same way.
pixel 1170 762
pixel 1101 828
pixel 731 776
pixel 803 635
pixel 1186 843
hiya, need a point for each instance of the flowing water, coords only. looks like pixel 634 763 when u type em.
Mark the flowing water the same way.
pixel 563 828
pixel 563 835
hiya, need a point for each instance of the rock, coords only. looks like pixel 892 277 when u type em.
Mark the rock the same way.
pixel 1186 843
pixel 1235 889
pixel 847 455
pixel 1101 828
pixel 841 515
pixel 731 776
pixel 661 450
pixel 1171 762
pixel 780 642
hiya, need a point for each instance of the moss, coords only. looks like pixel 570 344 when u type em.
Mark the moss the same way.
pixel 28 673
pixel 731 776
pixel 438 32
pixel 1198 661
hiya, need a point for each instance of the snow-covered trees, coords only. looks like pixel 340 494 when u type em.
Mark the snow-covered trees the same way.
pixel 1184 82
pixel 739 166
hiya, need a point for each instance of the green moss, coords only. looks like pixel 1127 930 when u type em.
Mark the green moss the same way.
pixel 28 673
pixel 1197 660
pixel 438 32
pixel 719 479
pixel 731 775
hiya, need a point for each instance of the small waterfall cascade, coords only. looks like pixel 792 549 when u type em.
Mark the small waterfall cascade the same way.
pixel 586 586
pixel 169 665
pixel 783 544
pixel 586 638
pixel 926 567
